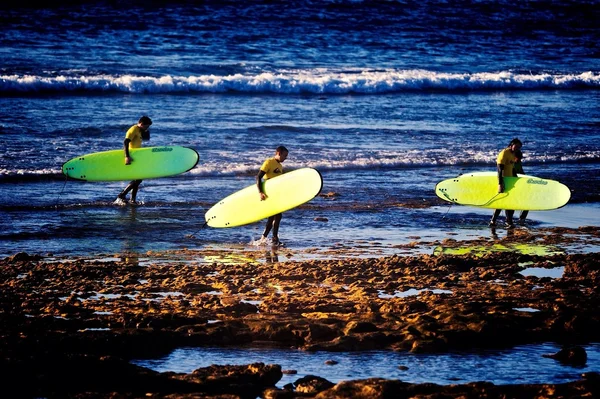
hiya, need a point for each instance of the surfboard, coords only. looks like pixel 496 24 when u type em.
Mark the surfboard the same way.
pixel 480 189
pixel 284 192
pixel 148 163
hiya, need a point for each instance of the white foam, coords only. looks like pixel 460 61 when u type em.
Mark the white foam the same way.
pixel 317 81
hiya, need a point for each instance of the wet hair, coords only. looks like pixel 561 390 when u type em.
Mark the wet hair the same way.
pixel 281 149
pixel 515 141
pixel 144 120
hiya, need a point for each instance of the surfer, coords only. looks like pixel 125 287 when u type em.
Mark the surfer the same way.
pixel 133 139
pixel 270 168
pixel 506 167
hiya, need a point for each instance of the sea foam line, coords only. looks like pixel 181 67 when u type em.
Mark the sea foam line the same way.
pixel 374 161
pixel 308 81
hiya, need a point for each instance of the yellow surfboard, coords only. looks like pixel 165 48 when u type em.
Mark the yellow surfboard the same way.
pixel 148 163
pixel 284 192
pixel 480 189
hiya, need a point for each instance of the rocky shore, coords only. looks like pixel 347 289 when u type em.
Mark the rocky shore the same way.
pixel 70 327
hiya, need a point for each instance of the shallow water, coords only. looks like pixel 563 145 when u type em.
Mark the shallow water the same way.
pixel 383 165
pixel 539 272
pixel 520 365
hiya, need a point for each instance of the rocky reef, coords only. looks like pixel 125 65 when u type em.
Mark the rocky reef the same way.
pixel 70 327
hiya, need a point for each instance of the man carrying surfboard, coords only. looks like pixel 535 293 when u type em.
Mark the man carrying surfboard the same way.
pixel 133 139
pixel 270 168
pixel 505 163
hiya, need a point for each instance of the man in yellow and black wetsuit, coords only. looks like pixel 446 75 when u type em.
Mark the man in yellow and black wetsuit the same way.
pixel 133 139
pixel 270 168
pixel 505 165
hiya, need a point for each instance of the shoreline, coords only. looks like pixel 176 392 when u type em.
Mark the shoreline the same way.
pixel 62 314
pixel 524 240
pixel 316 239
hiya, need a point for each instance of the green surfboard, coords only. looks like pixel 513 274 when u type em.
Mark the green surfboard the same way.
pixel 480 189
pixel 148 163
pixel 284 192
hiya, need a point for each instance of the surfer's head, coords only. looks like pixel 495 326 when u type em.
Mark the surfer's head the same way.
pixel 515 144
pixel 145 121
pixel 281 153
pixel 144 124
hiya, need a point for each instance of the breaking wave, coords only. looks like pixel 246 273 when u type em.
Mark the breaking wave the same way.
pixel 314 81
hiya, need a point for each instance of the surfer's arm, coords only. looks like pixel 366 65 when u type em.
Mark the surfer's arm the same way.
pixel 500 178
pixel 126 149
pixel 259 177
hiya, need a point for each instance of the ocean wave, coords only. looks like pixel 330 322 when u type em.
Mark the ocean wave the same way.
pixel 341 161
pixel 314 81
pixel 385 159
pixel 19 175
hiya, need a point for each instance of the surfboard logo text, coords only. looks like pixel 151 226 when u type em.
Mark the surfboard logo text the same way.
pixel 162 149
pixel 539 181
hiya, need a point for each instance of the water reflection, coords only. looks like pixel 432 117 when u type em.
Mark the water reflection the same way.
pixel 411 292
pixel 271 256
pixel 130 258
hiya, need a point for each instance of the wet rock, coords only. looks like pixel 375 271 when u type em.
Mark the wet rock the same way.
pixel 269 330
pixel 55 314
pixel 22 257
pixel 246 380
pixel 312 385
pixel 275 393
pixel 357 327
pixel 373 388
pixel 318 332
pixel 576 356
pixel 330 194
pixel 289 371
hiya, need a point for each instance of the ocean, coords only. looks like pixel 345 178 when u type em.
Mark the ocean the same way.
pixel 384 98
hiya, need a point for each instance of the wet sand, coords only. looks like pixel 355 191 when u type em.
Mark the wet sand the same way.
pixel 70 326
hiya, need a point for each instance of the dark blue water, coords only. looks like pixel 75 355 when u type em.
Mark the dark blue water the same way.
pixel 385 99
pixel 520 365
pixel 224 37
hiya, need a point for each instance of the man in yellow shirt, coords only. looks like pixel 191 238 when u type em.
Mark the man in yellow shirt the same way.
pixel 133 139
pixel 270 168
pixel 506 167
